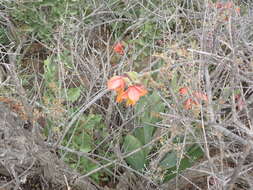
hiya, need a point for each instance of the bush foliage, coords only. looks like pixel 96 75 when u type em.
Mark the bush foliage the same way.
pixel 183 67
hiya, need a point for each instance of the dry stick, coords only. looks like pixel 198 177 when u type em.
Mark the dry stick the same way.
pixel 198 171
pixel 235 73
pixel 228 133
pixel 208 88
pixel 84 108
pixel 237 170
pixel 220 128
pixel 14 61
pixel 77 115
pixel 19 176
pixel 209 54
pixel 124 156
pixel 234 70
pixel 88 155
pixel 129 174
pixel 67 184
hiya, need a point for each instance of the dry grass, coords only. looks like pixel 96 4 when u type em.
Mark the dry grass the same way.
pixel 183 44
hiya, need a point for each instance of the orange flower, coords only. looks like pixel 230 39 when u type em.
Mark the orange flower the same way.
pixel 116 83
pixel 120 95
pixel 200 96
pixel 189 103
pixel 133 94
pixel 195 100
pixel 183 91
pixel 228 5
pixel 119 48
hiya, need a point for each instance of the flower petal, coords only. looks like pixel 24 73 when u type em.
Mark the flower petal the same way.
pixel 133 93
pixel 200 96
pixel 116 83
pixel 121 96
pixel 183 91
pixel 119 48
pixel 141 89
pixel 188 104
pixel 130 102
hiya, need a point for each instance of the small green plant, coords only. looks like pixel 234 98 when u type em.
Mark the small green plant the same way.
pixel 83 137
pixel 85 134
pixel 172 165
pixel 144 134
pixel 42 18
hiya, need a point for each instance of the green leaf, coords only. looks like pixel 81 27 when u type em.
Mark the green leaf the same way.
pixel 169 161
pixel 136 160
pixel 145 133
pixel 47 62
pixel 85 149
pixel 50 70
pixel 92 121
pixel 133 76
pixel 174 81
pixel 86 145
pixel 153 101
pixel 73 94
pixel 194 153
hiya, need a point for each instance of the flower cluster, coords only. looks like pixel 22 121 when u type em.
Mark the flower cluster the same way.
pixel 119 48
pixel 225 8
pixel 132 94
pixel 193 100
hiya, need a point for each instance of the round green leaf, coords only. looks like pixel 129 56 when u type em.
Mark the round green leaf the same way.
pixel 136 160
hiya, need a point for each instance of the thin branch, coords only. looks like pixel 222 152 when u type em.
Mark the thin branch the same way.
pixel 237 170
pixel 79 113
